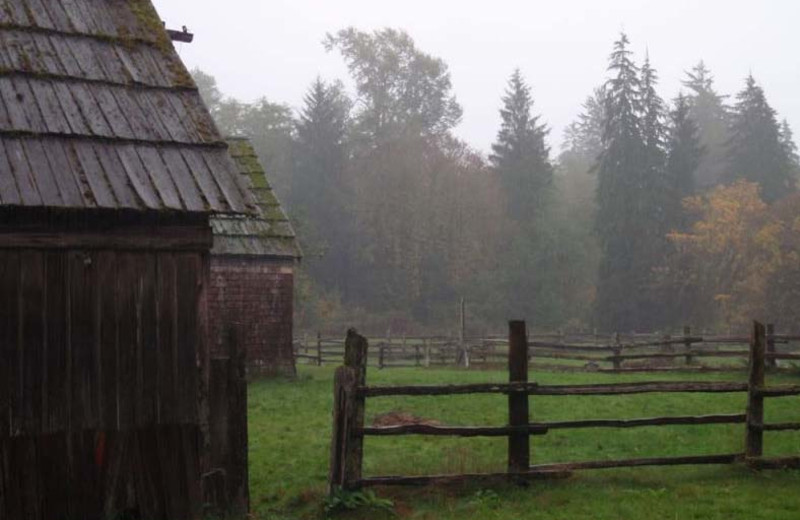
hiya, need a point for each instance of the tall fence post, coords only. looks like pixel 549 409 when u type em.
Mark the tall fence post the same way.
pixel 381 349
pixel 518 443
pixel 427 353
pixel 319 349
pixel 347 444
pixel 754 444
pixel 617 352
pixel 687 343
pixel 771 361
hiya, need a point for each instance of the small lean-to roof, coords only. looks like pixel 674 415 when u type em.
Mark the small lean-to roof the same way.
pixel 98 111
pixel 270 234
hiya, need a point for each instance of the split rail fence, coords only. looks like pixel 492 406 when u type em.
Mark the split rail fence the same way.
pixel 351 392
pixel 576 351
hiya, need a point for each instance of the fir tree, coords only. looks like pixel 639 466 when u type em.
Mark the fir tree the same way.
pixel 619 170
pixel 683 156
pixel 790 148
pixel 655 197
pixel 319 191
pixel 708 110
pixel 520 155
pixel 756 150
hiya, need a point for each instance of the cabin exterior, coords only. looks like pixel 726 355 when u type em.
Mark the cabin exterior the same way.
pixel 110 168
pixel 252 274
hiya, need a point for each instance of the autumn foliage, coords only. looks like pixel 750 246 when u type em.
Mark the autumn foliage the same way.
pixel 726 269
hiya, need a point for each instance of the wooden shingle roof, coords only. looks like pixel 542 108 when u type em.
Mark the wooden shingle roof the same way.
pixel 98 111
pixel 270 234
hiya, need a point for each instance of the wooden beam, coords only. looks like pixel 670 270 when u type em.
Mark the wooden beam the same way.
pixel 650 461
pixel 639 388
pixel 459 479
pixel 651 421
pixel 456 431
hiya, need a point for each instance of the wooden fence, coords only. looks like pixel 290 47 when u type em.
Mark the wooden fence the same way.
pixel 351 391
pixel 575 351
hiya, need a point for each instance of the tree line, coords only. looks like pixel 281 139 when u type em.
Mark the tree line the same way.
pixel 620 230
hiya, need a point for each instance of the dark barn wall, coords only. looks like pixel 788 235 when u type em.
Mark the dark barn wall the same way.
pixel 101 353
pixel 255 296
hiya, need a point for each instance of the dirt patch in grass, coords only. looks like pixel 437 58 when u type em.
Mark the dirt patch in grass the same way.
pixel 398 418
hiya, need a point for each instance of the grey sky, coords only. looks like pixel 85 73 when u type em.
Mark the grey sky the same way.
pixel 273 48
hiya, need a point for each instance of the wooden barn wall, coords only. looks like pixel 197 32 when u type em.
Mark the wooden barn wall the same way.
pixel 99 382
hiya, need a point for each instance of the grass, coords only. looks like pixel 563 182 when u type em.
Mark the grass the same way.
pixel 290 437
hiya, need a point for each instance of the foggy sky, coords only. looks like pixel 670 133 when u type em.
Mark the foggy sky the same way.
pixel 273 48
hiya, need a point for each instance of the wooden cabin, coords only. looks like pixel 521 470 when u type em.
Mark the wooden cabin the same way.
pixel 252 274
pixel 110 168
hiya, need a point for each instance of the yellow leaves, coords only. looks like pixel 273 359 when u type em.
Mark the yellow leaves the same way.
pixel 737 243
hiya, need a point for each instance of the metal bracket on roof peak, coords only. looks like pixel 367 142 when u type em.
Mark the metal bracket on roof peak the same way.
pixel 180 36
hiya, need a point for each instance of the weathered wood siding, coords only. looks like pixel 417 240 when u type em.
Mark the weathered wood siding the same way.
pixel 100 355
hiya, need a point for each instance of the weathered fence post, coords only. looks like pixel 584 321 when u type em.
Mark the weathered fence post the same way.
pixel 687 343
pixel 617 352
pixel 347 445
pixel 381 348
pixel 771 361
pixel 518 443
pixel 754 444
pixel 417 355
pixel 319 349
pixel 427 345
pixel 462 325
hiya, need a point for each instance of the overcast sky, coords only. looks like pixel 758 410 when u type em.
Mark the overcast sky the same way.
pixel 273 48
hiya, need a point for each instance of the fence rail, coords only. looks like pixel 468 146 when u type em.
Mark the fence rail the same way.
pixel 351 392
pixel 574 351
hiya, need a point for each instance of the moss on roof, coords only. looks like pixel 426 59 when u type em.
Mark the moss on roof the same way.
pixel 271 233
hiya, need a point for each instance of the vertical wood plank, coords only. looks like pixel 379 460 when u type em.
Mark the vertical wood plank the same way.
pixel 343 380
pixel 82 345
pixel 128 287
pixel 9 329
pixel 755 403
pixel 518 444
pixel 355 357
pixel 146 309
pixel 107 335
pixel 56 336
pixel 189 278
pixel 167 331
pixel 31 341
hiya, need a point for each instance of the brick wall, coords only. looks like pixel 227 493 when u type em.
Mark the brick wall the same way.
pixel 254 296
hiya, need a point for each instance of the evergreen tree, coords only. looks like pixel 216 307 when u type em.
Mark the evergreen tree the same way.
pixel 708 110
pixel 683 157
pixel 756 150
pixel 790 148
pixel 655 198
pixel 520 155
pixel 319 190
pixel 684 154
pixel 620 171
pixel 584 136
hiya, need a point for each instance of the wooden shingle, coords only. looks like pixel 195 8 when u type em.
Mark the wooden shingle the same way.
pixel 268 235
pixel 97 110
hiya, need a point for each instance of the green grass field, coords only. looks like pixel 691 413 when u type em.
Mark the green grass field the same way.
pixel 290 436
